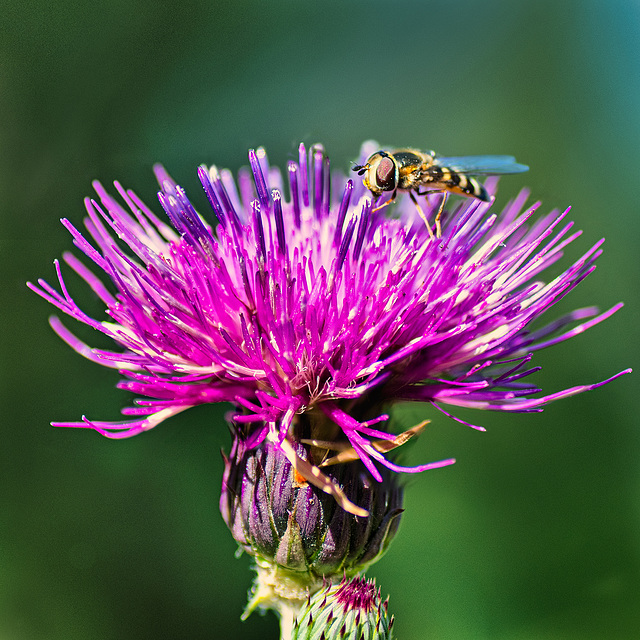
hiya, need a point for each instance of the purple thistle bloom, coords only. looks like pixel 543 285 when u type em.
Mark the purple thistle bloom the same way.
pixel 319 304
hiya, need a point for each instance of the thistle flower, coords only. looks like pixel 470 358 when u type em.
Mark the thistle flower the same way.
pixel 351 610
pixel 319 306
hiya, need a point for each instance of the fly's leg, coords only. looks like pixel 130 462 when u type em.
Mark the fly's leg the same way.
pixel 439 214
pixel 445 194
pixel 387 203
pixel 382 206
pixel 421 214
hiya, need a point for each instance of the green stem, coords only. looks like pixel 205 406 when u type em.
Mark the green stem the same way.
pixel 287 618
pixel 281 590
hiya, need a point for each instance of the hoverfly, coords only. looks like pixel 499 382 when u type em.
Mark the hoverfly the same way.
pixel 421 173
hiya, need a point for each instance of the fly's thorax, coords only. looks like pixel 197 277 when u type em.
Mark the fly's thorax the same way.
pixel 409 160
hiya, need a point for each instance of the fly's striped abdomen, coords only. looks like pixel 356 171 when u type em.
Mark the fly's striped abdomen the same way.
pixel 439 177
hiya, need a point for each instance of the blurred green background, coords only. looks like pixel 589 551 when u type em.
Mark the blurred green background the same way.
pixel 535 532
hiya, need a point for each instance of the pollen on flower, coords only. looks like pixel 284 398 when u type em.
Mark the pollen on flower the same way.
pixel 296 297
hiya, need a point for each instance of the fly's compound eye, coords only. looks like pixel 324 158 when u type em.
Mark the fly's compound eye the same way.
pixel 386 174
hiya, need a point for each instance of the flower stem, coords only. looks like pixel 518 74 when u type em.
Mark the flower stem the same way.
pixel 287 618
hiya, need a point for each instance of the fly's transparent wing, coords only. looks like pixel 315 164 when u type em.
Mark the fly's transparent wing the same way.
pixel 481 165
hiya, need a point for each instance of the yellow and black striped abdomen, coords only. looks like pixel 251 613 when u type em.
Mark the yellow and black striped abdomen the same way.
pixel 439 177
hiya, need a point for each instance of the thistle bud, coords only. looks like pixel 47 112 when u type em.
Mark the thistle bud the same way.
pixel 351 610
pixel 297 533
